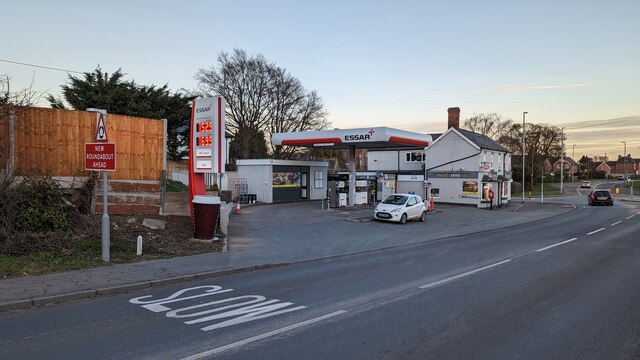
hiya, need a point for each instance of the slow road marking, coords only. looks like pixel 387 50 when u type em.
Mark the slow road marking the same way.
pixel 558 244
pixel 595 231
pixel 262 336
pixel 459 276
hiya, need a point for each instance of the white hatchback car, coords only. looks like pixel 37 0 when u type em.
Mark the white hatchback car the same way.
pixel 400 208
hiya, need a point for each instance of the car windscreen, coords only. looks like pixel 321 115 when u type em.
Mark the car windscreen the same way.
pixel 395 200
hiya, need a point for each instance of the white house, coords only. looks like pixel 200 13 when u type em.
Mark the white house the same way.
pixel 461 166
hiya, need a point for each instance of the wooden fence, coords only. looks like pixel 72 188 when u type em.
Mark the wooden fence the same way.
pixel 53 141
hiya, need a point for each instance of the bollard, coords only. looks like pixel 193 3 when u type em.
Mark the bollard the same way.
pixel 139 246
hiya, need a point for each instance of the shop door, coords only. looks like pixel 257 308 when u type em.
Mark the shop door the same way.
pixel 304 180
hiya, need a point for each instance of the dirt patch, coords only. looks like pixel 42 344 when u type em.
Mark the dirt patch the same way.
pixel 175 240
pixel 42 253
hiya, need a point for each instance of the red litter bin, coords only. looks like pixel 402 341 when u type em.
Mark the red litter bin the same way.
pixel 206 210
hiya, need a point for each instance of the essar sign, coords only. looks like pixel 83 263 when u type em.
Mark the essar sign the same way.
pixel 100 156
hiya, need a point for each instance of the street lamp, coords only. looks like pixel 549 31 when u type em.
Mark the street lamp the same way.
pixel 523 145
pixel 575 162
pixel 625 159
pixel 562 161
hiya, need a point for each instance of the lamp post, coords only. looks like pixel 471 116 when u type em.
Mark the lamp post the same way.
pixel 625 159
pixel 523 145
pixel 542 186
pixel 562 161
pixel 575 162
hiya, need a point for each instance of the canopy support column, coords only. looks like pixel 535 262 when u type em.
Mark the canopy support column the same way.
pixel 352 175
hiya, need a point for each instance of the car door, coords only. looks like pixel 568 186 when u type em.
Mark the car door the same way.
pixel 412 207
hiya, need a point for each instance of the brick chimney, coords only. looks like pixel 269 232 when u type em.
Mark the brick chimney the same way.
pixel 454 117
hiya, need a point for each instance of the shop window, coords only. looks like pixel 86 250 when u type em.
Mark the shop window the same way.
pixel 417 156
pixel 318 179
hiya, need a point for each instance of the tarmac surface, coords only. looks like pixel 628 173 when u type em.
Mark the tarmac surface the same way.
pixel 265 236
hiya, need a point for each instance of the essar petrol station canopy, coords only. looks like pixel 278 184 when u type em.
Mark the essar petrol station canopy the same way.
pixel 362 138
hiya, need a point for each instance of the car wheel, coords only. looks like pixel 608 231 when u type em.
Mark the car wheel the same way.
pixel 423 216
pixel 403 219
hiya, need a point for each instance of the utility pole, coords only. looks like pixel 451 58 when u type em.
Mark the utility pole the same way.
pixel 523 150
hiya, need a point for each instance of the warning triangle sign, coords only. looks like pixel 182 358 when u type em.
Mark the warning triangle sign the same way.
pixel 101 134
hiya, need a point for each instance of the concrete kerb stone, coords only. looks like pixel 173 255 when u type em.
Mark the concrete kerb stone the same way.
pixel 59 298
pixel 16 305
pixel 173 280
pixel 124 288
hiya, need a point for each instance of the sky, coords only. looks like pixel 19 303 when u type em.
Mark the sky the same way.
pixel 572 64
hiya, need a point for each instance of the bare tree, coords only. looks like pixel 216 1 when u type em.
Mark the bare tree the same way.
pixel 11 103
pixel 261 98
pixel 490 125
pixel 292 109
pixel 541 141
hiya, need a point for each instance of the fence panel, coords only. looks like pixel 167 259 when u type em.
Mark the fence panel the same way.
pixel 53 140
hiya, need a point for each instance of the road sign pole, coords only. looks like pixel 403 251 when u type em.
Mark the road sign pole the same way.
pixel 101 135
pixel 106 225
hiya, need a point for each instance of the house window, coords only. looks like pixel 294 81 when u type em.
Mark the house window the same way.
pixel 417 156
pixel 318 179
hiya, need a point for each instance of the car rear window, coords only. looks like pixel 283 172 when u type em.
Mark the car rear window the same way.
pixel 601 193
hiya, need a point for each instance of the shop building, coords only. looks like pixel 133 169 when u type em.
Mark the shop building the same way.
pixel 276 181
pixel 462 166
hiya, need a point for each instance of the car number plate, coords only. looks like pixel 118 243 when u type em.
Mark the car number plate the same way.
pixel 384 215
pixel 603 198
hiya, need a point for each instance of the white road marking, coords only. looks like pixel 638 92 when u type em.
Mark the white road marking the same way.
pixel 595 231
pixel 456 277
pixel 262 336
pixel 616 223
pixel 558 244
pixel 629 217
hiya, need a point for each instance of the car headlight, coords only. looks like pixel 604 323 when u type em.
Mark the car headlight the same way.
pixel 395 210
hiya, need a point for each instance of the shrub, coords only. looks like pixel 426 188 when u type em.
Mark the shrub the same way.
pixel 175 186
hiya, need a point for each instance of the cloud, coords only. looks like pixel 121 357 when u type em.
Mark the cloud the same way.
pixel 599 137
pixel 511 88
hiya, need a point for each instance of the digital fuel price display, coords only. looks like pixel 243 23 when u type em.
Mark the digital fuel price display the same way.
pixel 207 142
pixel 204 140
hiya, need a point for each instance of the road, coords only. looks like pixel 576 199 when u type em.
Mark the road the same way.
pixel 563 288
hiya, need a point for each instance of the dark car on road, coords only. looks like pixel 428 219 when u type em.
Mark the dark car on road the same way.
pixel 600 197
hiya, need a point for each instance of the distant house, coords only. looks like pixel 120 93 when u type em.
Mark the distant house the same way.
pixel 552 165
pixel 626 164
pixel 604 167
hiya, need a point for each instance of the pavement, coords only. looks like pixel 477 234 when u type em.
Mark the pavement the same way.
pixel 264 236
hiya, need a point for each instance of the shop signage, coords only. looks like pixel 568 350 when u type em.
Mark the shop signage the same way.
pixel 452 174
pixel 410 177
